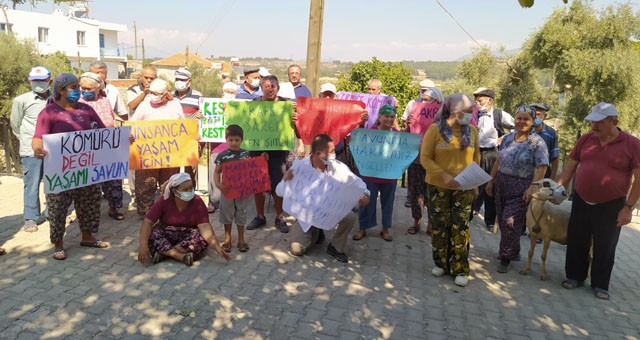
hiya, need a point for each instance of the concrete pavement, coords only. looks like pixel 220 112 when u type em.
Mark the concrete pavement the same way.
pixel 386 291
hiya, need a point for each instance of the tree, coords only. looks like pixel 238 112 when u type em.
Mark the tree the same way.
pixel 206 81
pixel 396 80
pixel 17 59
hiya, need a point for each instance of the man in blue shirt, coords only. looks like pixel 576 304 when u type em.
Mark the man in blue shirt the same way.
pixel 250 89
pixel 295 72
pixel 550 137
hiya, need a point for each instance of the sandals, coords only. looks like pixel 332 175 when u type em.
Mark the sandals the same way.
pixel 157 257
pixel 601 293
pixel 243 247
pixel 96 244
pixel 359 235
pixel 226 246
pixel 413 229
pixel 30 226
pixel 188 259
pixel 116 216
pixel 59 255
pixel 2 251
pixel 572 284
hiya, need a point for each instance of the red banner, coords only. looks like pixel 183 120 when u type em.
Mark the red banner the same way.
pixel 334 117
pixel 245 177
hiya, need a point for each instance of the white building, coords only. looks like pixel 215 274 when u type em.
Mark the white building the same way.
pixel 81 39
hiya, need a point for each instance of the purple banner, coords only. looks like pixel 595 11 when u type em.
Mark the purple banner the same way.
pixel 372 101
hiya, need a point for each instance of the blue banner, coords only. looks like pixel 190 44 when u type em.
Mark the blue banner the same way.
pixel 383 154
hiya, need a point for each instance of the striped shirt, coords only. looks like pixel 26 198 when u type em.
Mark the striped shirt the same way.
pixel 190 102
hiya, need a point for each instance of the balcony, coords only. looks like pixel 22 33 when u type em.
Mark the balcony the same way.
pixel 113 52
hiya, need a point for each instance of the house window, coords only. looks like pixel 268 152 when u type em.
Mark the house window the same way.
pixel 80 38
pixel 3 27
pixel 43 34
pixel 101 40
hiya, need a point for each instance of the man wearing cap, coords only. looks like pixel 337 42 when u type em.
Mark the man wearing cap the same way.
pixel 295 72
pixel 603 162
pixel 24 115
pixel 137 93
pixel 491 125
pixel 250 89
pixel 112 92
pixel 550 137
pixel 188 97
pixel 328 90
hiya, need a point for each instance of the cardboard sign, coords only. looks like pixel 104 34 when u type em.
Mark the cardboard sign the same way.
pixel 333 117
pixel 163 143
pixel 266 125
pixel 316 199
pixel 245 177
pixel 212 124
pixel 383 154
pixel 81 158
pixel 373 103
pixel 423 115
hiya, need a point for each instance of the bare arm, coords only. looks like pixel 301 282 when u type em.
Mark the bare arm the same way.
pixel 217 178
pixel 206 230
pixel 38 148
pixel 624 215
pixel 494 172
pixel 568 172
pixel 538 175
pixel 554 168
pixel 133 104
pixel 145 232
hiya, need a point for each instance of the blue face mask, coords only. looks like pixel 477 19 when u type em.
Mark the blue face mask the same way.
pixel 73 96
pixel 185 195
pixel 537 122
pixel 88 95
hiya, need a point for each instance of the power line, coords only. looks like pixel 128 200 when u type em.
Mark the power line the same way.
pixel 224 11
pixel 458 23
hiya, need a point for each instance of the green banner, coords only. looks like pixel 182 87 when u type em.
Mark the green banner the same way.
pixel 266 125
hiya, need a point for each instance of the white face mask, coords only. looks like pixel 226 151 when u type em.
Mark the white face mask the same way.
pixel 40 86
pixel 466 119
pixel 181 85
pixel 155 99
pixel 255 83
pixel 228 96
pixel 332 157
pixel 483 108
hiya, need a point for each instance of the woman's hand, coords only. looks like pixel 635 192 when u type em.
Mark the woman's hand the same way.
pixel 199 115
pixel 132 139
pixel 294 118
pixel 216 247
pixel 450 182
pixel 364 200
pixel 39 152
pixel 288 175
pixel 528 193
pixel 300 151
pixel 489 189
pixel 265 155
pixel 144 255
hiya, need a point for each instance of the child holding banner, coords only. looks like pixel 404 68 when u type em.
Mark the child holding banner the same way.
pixel 386 187
pixel 232 209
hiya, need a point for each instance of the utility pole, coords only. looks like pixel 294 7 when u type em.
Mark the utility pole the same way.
pixel 186 57
pixel 314 45
pixel 135 42
pixel 142 52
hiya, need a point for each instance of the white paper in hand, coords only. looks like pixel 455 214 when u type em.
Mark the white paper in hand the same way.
pixel 472 177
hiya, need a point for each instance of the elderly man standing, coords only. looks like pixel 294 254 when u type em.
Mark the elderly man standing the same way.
pixel 250 89
pixel 550 137
pixel 295 72
pixel 491 125
pixel 24 115
pixel 374 86
pixel 137 93
pixel 190 102
pixel 117 104
pixel 603 161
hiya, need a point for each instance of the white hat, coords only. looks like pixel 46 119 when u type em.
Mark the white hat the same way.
pixel 286 91
pixel 39 73
pixel 158 86
pixel 328 87
pixel 263 72
pixel 427 83
pixel 601 111
pixel 230 86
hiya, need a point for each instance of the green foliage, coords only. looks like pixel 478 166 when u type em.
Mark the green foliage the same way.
pixel 396 80
pixel 436 70
pixel 208 82
pixel 481 70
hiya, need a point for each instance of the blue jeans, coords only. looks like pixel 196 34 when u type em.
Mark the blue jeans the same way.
pixel 367 213
pixel 32 170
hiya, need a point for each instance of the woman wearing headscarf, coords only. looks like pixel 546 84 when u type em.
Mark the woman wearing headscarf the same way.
pixel 449 146
pixel 92 94
pixel 523 159
pixel 65 114
pixel 158 105
pixel 177 225
pixel 417 187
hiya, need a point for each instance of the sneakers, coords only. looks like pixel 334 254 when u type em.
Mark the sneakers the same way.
pixel 437 271
pixel 461 280
pixel 281 224
pixel 342 257
pixel 256 223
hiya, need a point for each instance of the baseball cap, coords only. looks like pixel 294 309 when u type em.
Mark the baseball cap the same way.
pixel 230 86
pixel 484 92
pixel 427 83
pixel 540 106
pixel 601 111
pixel 39 73
pixel 387 109
pixel 328 87
pixel 263 72
pixel 182 74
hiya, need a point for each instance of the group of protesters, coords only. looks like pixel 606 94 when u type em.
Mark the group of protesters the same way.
pixel 516 150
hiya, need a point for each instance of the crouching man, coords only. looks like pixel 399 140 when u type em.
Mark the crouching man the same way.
pixel 322 159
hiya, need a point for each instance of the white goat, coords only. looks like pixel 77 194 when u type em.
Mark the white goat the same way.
pixel 546 220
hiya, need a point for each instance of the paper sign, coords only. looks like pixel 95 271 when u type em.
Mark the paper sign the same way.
pixel 472 176
pixel 163 143
pixel 245 177
pixel 333 117
pixel 383 154
pixel 423 115
pixel 266 125
pixel 373 103
pixel 212 125
pixel 81 158
pixel 316 199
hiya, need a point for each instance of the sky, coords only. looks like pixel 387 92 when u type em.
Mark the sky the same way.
pixel 353 30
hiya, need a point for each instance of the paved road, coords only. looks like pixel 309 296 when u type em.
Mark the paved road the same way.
pixel 386 291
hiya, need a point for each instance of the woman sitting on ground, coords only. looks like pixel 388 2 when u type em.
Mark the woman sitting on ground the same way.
pixel 177 225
